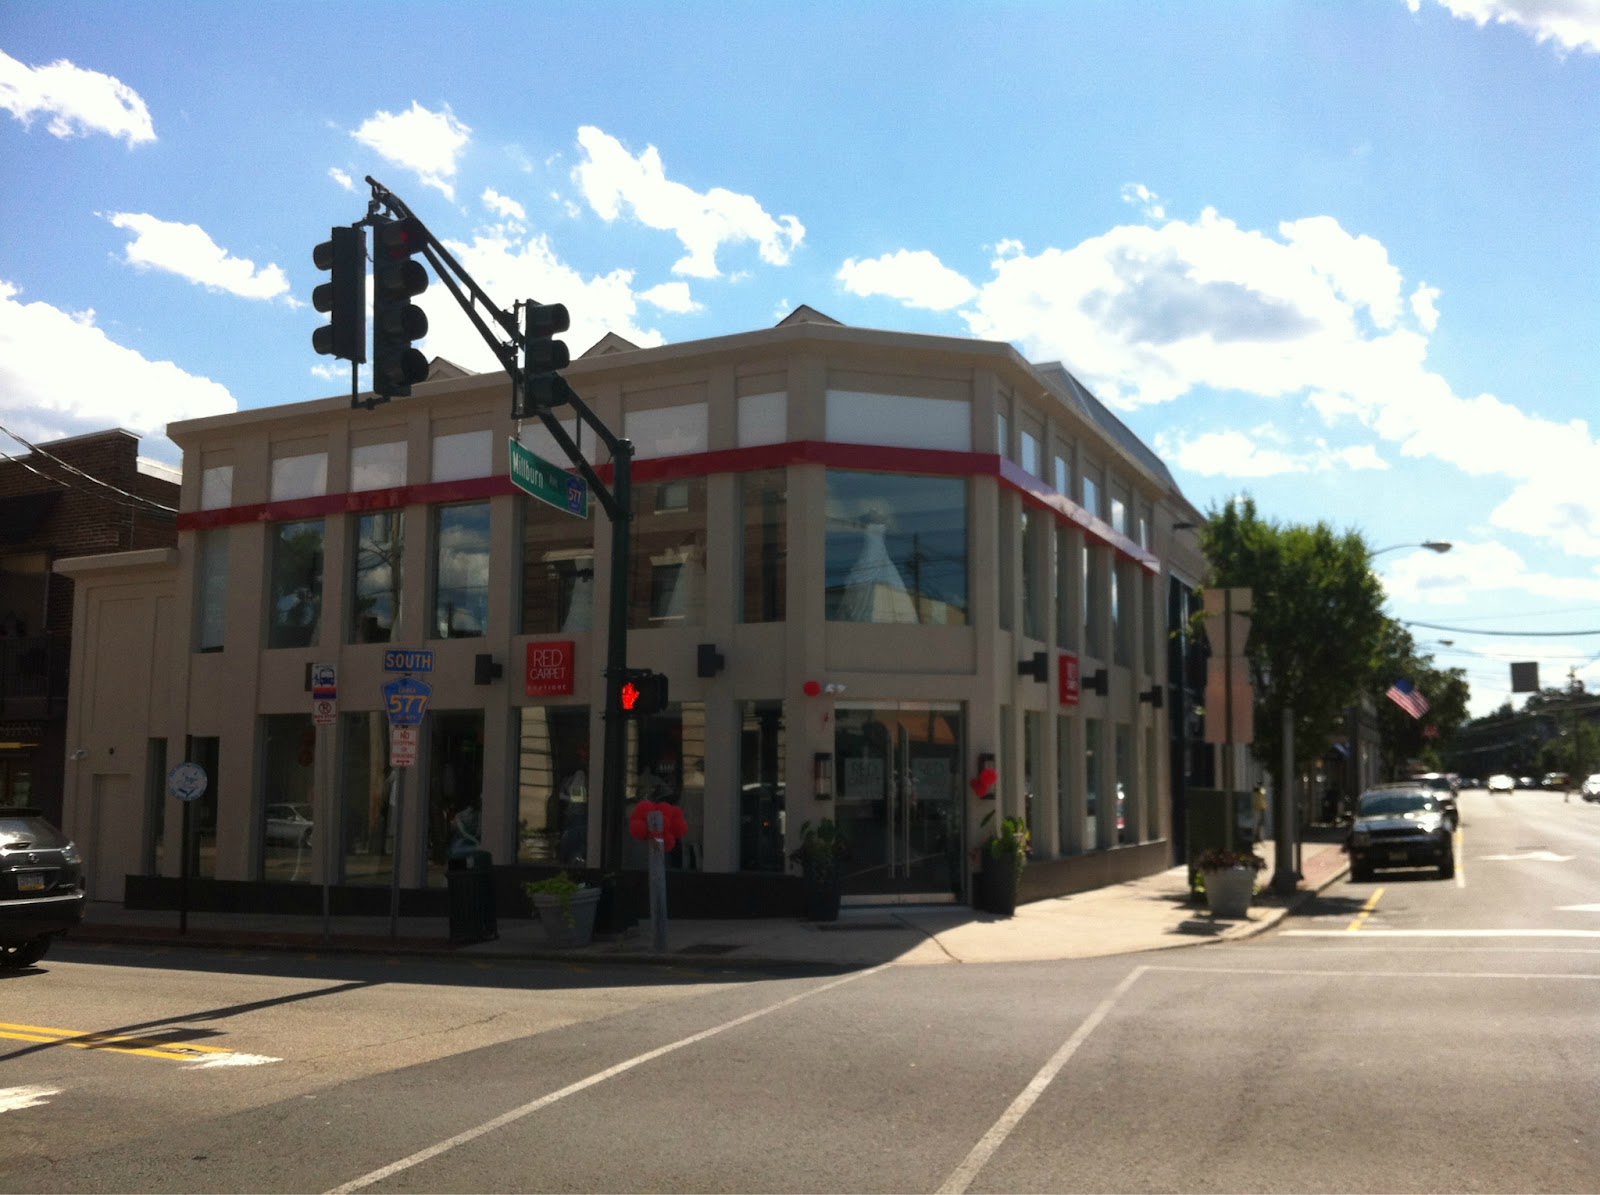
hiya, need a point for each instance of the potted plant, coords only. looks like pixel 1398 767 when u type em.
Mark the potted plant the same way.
pixel 822 849
pixel 1229 878
pixel 565 908
pixel 1002 858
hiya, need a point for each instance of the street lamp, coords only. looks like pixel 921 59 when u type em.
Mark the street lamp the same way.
pixel 1433 545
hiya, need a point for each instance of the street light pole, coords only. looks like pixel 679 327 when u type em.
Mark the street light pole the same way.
pixel 1433 545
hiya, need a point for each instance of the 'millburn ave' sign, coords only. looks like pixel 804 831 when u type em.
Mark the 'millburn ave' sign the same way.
pixel 540 479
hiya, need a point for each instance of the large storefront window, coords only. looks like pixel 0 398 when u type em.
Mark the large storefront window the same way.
pixel 1065 776
pixel 1094 597
pixel 669 554
pixel 557 571
pixel 461 571
pixel 666 762
pixel 1067 575
pixel 288 769
pixel 1127 799
pixel 554 793
pixel 1035 525
pixel 896 548
pixel 762 815
pixel 370 791
pixel 202 847
pixel 211 624
pixel 1121 619
pixel 1032 773
pixel 296 610
pixel 377 576
pixel 455 788
pixel 763 499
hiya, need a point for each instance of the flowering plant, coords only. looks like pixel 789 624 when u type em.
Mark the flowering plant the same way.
pixel 562 888
pixel 821 847
pixel 1217 859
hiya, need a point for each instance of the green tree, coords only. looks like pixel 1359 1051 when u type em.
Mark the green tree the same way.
pixel 1316 626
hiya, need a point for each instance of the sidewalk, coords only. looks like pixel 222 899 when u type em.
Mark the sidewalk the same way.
pixel 1152 913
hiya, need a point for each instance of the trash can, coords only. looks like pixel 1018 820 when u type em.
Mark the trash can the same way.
pixel 471 878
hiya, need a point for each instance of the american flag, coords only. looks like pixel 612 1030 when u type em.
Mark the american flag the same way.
pixel 1404 694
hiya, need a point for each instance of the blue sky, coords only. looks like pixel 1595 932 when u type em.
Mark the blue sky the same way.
pixel 1340 257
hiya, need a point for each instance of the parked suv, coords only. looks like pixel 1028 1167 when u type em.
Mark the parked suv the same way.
pixel 1400 825
pixel 41 886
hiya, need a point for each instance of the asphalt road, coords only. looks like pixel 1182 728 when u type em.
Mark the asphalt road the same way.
pixel 1410 1034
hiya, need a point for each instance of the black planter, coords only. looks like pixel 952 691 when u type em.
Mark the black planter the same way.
pixel 998 880
pixel 821 892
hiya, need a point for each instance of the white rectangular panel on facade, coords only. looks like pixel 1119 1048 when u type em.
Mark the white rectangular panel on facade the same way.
pixel 667 431
pixel 378 466
pixel 216 487
pixel 462 456
pixel 536 438
pixel 899 421
pixel 763 419
pixel 300 476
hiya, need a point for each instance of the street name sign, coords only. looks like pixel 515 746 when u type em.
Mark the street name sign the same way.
pixel 551 484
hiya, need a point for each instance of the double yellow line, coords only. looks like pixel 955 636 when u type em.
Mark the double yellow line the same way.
pixel 117 1043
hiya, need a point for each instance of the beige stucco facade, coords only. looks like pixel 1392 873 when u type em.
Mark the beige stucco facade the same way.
pixel 805 399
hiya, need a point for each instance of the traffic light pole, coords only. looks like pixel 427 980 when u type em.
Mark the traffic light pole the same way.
pixel 617 499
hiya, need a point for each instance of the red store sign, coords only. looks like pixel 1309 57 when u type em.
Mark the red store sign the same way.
pixel 550 669
pixel 1067 678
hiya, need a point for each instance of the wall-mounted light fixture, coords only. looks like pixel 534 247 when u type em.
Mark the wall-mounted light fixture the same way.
pixel 708 660
pixel 1155 695
pixel 822 775
pixel 485 671
pixel 1037 667
pixel 1098 681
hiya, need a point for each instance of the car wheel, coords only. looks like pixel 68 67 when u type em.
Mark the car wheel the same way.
pixel 25 955
pixel 1447 869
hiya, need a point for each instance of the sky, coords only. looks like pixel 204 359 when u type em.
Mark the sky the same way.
pixel 1342 258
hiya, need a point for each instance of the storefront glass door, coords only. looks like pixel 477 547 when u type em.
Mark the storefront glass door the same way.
pixel 898 776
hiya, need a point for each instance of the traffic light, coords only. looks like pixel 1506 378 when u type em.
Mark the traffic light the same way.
pixel 396 321
pixel 542 358
pixel 343 298
pixel 644 693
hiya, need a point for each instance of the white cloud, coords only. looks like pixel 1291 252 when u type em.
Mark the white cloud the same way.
pixel 1425 308
pixel 77 101
pixel 671 296
pixel 188 251
pixel 1260 453
pixel 614 181
pixel 1146 200
pixel 916 278
pixel 1571 24
pixel 505 263
pixel 1471 572
pixel 60 376
pixel 427 143
pixel 342 178
pixel 502 206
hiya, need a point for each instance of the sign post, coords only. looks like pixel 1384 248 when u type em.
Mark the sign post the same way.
pixel 187 782
pixel 406 700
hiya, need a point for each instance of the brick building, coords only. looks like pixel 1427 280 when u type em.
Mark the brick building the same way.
pixel 86 495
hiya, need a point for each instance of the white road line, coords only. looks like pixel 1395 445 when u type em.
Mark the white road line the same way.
pixel 528 1109
pixel 961 1177
pixel 1312 973
pixel 13 1099
pixel 1446 933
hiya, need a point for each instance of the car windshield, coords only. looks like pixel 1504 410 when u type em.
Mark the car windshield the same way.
pixel 1374 804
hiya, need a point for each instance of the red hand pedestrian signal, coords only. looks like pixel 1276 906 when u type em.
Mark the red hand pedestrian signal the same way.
pixel 644 693
pixel 630 695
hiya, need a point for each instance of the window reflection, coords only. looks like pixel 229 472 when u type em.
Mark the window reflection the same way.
pixel 557 571
pixel 896 548
pixel 376 582
pixel 296 584
pixel 669 553
pixel 461 571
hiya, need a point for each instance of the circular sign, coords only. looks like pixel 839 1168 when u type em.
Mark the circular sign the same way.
pixel 187 782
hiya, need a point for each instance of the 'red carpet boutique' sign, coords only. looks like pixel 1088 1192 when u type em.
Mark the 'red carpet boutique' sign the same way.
pixel 550 669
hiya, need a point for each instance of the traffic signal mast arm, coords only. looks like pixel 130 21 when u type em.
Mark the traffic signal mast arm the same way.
pixel 508 352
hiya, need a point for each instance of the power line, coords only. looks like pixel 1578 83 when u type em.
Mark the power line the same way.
pixel 1433 626
pixel 127 499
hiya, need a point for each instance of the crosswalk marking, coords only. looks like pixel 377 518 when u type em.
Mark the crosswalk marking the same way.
pixel 148 1047
pixel 13 1099
pixel 1445 933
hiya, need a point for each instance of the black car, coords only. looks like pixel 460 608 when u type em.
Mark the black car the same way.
pixel 1400 826
pixel 41 886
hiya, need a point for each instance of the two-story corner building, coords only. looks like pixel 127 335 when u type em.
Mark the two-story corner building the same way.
pixel 61 498
pixel 871 564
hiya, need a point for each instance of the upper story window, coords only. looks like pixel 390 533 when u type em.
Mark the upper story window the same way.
pixel 1094 600
pixel 1030 453
pixel 294 614
pixel 304 476
pixel 462 456
pixel 216 487
pixel 557 571
pixel 1062 478
pixel 896 548
pixel 898 420
pixel 1002 435
pixel 211 625
pixel 764 503
pixel 461 571
pixel 1067 580
pixel 377 576
pixel 1119 515
pixel 1035 525
pixel 669 555
pixel 378 466
pixel 1091 496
